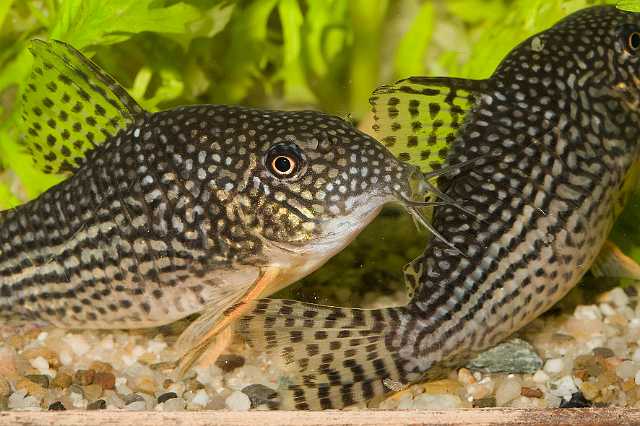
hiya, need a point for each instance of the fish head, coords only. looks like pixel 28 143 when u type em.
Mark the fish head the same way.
pixel 317 179
pixel 595 49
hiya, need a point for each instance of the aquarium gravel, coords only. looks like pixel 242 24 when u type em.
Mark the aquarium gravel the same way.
pixel 591 357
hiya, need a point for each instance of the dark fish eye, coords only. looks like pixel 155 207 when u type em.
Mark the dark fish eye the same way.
pixel 284 161
pixel 633 41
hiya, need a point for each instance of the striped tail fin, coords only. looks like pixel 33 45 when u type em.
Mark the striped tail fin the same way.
pixel 335 356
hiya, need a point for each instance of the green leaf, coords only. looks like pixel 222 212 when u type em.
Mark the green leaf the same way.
pixel 245 52
pixel 296 89
pixel 86 22
pixel 5 5
pixel 629 5
pixel 409 58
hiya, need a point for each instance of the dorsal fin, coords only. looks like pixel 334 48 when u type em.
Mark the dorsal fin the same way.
pixel 418 118
pixel 70 106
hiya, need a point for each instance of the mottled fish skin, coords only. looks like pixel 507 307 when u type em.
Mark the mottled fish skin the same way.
pixel 555 133
pixel 170 211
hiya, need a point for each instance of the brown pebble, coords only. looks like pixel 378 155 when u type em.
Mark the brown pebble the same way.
pixel 101 367
pixel 588 363
pixel 17 341
pixel 602 352
pixel 229 362
pixel 531 392
pixel 167 383
pixel 92 392
pixel 62 381
pixel 144 384
pixel 589 390
pixel 581 374
pixel 8 362
pixel 5 387
pixel 628 385
pixel 105 379
pixel 84 377
pixel 194 385
pixel 30 387
pixel 40 379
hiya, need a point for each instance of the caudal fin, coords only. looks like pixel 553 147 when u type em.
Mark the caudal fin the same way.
pixel 335 356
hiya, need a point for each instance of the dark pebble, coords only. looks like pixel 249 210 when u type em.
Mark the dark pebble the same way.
pixel 489 401
pixel 602 352
pixel 57 406
pixel 229 362
pixel 577 401
pixel 132 397
pixel 166 396
pixel 99 404
pixel 631 291
pixel 261 394
pixel 39 379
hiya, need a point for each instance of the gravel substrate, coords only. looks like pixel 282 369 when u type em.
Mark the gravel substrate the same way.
pixel 590 357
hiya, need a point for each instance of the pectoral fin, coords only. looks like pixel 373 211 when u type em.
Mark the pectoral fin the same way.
pixel 613 263
pixel 206 338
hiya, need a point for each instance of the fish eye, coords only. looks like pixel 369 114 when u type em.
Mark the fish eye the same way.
pixel 633 41
pixel 284 161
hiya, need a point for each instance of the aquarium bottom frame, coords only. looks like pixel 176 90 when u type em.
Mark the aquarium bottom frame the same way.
pixel 475 416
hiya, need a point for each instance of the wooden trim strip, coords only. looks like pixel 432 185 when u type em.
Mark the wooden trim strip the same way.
pixel 490 416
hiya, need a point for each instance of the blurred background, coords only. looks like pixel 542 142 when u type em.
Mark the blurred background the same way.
pixel 287 54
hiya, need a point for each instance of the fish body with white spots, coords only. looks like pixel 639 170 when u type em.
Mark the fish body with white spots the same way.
pixel 541 157
pixel 188 210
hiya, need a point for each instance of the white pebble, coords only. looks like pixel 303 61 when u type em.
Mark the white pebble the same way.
pixel 588 312
pixel 540 377
pixel 77 343
pixel 637 378
pixel 42 336
pixel 636 355
pixel 156 346
pixel 40 364
pixel 619 297
pixel 626 369
pixel 436 402
pixel 508 390
pixel 174 404
pixel 19 400
pixel 136 406
pixel 405 402
pixel 563 388
pixel 554 366
pixel 65 358
pixel 77 400
pixel 238 401
pixel 607 309
pixel 201 398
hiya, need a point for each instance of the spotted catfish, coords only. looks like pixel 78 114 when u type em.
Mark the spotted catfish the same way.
pixel 541 157
pixel 195 209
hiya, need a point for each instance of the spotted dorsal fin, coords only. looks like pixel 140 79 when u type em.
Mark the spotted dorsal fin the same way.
pixel 418 118
pixel 70 106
